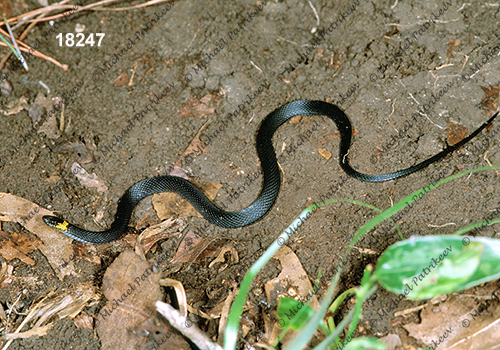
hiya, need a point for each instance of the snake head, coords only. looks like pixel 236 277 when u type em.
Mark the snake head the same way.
pixel 55 222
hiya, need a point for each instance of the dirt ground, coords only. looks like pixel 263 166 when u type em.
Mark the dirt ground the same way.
pixel 380 63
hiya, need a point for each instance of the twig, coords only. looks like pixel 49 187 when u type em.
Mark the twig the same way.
pixel 443 225
pixel 42 12
pixel 26 320
pixel 314 29
pixel 152 2
pixel 23 61
pixel 21 38
pixel 253 64
pixel 41 55
pixel 94 7
pixel 185 326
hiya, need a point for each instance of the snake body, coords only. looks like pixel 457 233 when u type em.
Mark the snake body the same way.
pixel 271 177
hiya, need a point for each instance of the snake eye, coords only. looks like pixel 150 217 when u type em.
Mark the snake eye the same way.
pixel 52 221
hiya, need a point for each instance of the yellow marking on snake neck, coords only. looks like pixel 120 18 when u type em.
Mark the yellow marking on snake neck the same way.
pixel 63 226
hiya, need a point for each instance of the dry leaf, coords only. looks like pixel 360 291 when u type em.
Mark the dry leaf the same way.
pixel 292 282
pixel 87 251
pixel 490 99
pixel 292 277
pixel 296 119
pixel 131 286
pixel 66 303
pixel 324 153
pixel 5 276
pixel 50 128
pixel 197 109
pixel 196 147
pixel 56 306
pixel 456 133
pixel 453 318
pixel 56 246
pixel 15 107
pixel 155 233
pixel 9 252
pixel 87 180
pixel 451 45
pixel 221 257
pixel 191 247
pixel 82 150
pixel 83 320
pixel 168 204
pixel 122 80
pixel 150 218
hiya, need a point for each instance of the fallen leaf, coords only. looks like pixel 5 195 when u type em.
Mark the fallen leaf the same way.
pixel 87 180
pixel 56 247
pixel 196 147
pixel 175 170
pixel 155 233
pixel 149 219
pixel 50 127
pixel 9 252
pixel 490 99
pixel 393 341
pixel 292 277
pixel 168 204
pixel 38 108
pixel 467 333
pixel 121 80
pixel 296 119
pixel 197 109
pixel 292 282
pixel 16 106
pixel 451 45
pixel 191 247
pixel 324 153
pixel 66 302
pixel 131 286
pixel 81 150
pixel 456 133
pixel 221 257
pixel 87 251
pixel 83 320
pixel 483 335
pixel 5 275
pixel 56 306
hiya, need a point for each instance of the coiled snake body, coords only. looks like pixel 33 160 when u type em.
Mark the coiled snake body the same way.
pixel 271 177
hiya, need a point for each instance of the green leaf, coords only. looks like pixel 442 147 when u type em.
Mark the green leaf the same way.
pixel 489 268
pixel 424 267
pixel 365 343
pixel 293 313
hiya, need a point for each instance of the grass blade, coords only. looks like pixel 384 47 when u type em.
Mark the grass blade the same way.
pixel 303 338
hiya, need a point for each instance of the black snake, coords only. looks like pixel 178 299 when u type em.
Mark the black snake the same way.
pixel 271 174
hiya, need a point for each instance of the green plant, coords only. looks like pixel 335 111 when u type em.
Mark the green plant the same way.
pixel 470 265
pixel 15 50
